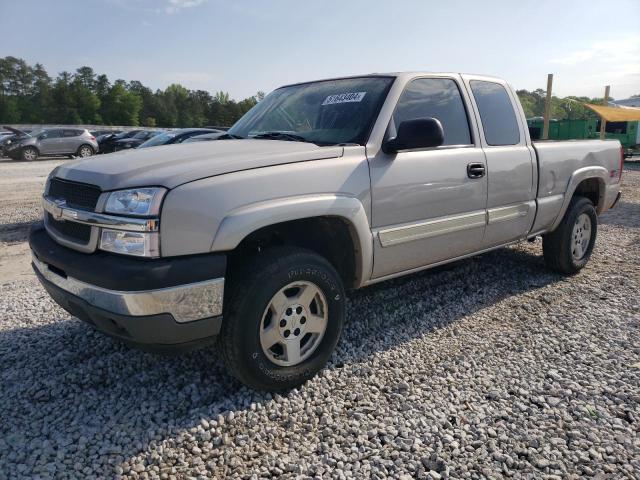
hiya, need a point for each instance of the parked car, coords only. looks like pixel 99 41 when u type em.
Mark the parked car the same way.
pixel 321 187
pixel 107 141
pixel 207 137
pixel 99 133
pixel 134 141
pixel 10 136
pixel 53 141
pixel 178 136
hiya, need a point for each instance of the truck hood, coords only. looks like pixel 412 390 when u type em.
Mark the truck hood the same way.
pixel 173 165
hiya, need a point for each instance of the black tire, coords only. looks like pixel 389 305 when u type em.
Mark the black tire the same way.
pixel 81 148
pixel 557 245
pixel 252 289
pixel 29 154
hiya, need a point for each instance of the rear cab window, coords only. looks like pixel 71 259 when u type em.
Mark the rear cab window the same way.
pixel 498 117
pixel 438 98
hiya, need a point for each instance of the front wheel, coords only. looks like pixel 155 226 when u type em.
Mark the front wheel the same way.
pixel 283 320
pixel 568 248
pixel 29 154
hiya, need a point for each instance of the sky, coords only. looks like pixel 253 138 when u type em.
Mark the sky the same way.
pixel 245 46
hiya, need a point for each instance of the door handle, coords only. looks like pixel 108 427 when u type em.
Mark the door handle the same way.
pixel 476 170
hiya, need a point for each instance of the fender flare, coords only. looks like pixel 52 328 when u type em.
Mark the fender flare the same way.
pixel 599 173
pixel 241 222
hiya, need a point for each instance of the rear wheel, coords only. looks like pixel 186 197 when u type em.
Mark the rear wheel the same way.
pixel 85 151
pixel 29 154
pixel 283 320
pixel 568 248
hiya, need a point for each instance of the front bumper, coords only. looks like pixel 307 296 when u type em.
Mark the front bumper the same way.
pixel 160 302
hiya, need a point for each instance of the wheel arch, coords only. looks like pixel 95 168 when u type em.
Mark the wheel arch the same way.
pixel 85 145
pixel 589 182
pixel 334 226
pixel 31 146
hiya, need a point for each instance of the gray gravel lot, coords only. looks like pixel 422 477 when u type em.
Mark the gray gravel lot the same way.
pixel 491 367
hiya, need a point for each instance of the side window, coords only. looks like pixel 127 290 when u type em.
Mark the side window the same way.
pixel 71 133
pixel 496 112
pixel 49 134
pixel 438 98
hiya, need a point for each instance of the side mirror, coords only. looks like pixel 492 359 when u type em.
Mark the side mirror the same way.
pixel 417 133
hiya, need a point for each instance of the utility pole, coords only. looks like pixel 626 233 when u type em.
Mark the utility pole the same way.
pixel 547 108
pixel 603 122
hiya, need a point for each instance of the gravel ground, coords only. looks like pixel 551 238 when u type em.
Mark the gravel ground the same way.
pixel 20 189
pixel 491 367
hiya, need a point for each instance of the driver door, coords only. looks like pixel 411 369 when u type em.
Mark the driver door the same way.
pixel 426 207
pixel 50 142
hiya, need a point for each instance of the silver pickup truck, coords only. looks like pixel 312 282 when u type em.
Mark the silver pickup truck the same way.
pixel 324 186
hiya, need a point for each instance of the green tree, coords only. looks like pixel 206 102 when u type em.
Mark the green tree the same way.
pixel 121 106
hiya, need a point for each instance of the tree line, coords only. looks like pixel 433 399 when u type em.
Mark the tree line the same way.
pixel 29 95
pixel 567 108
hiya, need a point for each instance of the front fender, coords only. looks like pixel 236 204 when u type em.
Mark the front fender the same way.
pixel 239 223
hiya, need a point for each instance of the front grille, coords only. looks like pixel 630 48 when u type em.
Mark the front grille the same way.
pixel 72 230
pixel 77 195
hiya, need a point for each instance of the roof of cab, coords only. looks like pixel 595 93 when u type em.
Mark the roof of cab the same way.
pixel 410 74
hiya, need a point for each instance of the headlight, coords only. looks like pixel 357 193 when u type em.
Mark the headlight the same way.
pixel 142 202
pixel 130 243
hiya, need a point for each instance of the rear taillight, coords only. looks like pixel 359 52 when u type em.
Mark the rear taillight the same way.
pixel 92 138
pixel 621 164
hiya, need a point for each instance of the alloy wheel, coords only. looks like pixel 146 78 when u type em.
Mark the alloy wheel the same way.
pixel 293 323
pixel 581 236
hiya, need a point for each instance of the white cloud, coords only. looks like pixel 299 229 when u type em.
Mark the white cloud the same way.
pixel 175 6
pixel 623 50
pixel 614 62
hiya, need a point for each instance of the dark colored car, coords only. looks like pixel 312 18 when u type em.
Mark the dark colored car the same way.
pixel 107 142
pixel 135 141
pixel 207 137
pixel 99 133
pixel 178 136
pixel 12 135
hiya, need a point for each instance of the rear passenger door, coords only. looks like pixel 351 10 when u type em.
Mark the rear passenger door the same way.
pixel 511 167
pixel 426 207
pixel 70 141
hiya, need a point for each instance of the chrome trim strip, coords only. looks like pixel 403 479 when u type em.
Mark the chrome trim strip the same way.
pixel 60 211
pixel 501 214
pixel 186 303
pixel 432 228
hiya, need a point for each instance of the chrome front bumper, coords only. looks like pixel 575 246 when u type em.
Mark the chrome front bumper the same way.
pixel 186 303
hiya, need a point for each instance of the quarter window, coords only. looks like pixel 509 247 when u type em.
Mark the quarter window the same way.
pixel 437 98
pixel 496 112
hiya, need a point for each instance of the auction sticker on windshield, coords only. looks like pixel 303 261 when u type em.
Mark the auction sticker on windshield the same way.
pixel 344 98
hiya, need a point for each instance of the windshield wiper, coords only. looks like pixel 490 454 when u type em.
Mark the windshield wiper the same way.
pixel 281 136
pixel 229 136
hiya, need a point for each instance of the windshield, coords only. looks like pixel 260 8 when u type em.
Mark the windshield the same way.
pixel 122 135
pixel 142 135
pixel 326 113
pixel 37 133
pixel 158 140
